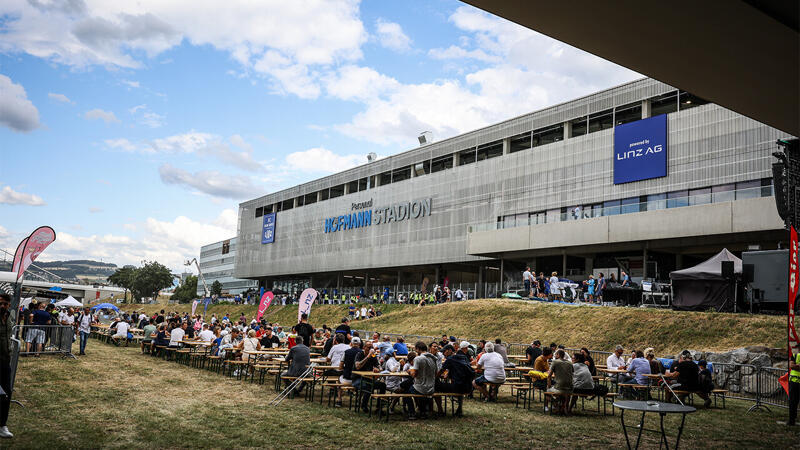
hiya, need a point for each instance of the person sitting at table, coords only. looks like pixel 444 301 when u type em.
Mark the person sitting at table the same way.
pixel 638 369
pixel 230 341
pixel 500 349
pixel 656 366
pixel 567 358
pixel 433 349
pixel 532 352
pixel 206 335
pixel 615 360
pixel 148 333
pixel 384 347
pixel 347 364
pixel 344 328
pixel 161 339
pixel 121 333
pixel 705 379
pixel 251 342
pixel 298 359
pixel 281 335
pixel 423 372
pixel 177 334
pixel 479 351
pixel 368 363
pixel 687 375
pixel 582 381
pixel 458 372
pixel 491 363
pixel 400 347
pixel 392 365
pixel 269 340
pixel 587 356
pixel 319 337
pixel 559 382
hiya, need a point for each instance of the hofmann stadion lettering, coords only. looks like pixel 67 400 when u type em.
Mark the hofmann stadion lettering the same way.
pixel 378 216
pixel 640 150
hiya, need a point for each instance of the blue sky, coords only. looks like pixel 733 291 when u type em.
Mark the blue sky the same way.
pixel 136 128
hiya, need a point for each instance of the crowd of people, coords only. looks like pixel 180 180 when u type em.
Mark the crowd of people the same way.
pixel 590 290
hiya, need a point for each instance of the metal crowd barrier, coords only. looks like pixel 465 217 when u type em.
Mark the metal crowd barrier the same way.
pixel 45 339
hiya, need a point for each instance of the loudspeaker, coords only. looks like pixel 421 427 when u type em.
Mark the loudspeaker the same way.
pixel 727 269
pixel 779 187
pixel 748 272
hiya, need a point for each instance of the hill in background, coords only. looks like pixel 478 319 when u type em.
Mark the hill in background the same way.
pixel 79 270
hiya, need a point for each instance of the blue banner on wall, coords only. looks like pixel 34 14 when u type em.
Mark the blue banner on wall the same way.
pixel 640 150
pixel 268 231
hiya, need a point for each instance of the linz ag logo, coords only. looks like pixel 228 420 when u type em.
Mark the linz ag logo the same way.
pixel 644 150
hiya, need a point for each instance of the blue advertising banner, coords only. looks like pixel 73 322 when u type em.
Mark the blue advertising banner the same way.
pixel 268 232
pixel 640 150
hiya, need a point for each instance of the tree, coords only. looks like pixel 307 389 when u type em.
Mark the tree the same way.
pixel 216 288
pixel 123 278
pixel 149 279
pixel 187 291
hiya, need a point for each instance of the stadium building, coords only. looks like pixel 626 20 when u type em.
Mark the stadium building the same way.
pixel 641 177
pixel 216 261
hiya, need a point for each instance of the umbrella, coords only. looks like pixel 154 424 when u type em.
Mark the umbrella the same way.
pixel 69 301
pixel 105 306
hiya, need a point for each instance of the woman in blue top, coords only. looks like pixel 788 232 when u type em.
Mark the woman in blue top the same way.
pixel 590 287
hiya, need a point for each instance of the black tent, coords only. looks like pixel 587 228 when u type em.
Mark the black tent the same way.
pixel 703 286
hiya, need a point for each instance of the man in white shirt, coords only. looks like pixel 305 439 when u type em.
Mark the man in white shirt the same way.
pixel 363 312
pixel 206 335
pixel 66 317
pixel 527 280
pixel 337 351
pixel 176 335
pixel 616 361
pixel 122 333
pixel 493 370
pixel 84 328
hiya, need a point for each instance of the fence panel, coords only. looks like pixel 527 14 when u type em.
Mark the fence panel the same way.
pixel 45 339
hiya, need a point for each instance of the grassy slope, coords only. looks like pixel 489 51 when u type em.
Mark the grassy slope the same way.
pixel 596 328
pixel 118 398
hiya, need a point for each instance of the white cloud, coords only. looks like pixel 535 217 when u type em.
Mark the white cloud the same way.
pixel 136 109
pixel 147 117
pixel 391 36
pixel 358 83
pixel 284 41
pixel 322 160
pixel 99 114
pixel 211 182
pixel 9 196
pixel 95 210
pixel 455 52
pixel 16 111
pixel 121 144
pixel 169 242
pixel 131 84
pixel 60 98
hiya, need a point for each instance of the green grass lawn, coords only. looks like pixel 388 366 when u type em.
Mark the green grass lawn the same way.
pixel 116 397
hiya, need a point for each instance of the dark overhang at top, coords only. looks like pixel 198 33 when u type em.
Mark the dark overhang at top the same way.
pixel 740 54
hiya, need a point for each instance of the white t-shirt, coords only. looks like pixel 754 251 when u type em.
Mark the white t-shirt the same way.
pixel 206 335
pixel 85 323
pixel 66 317
pixel 336 354
pixel 122 329
pixel 176 336
pixel 142 317
pixel 526 276
pixel 554 287
pixel 363 312
pixel 493 367
pixel 250 344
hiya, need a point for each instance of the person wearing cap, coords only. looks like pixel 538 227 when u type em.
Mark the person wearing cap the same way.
pixel 458 371
pixel 532 352
pixel 392 365
pixel 688 377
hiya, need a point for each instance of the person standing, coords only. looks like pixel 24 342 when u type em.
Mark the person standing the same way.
pixel 304 330
pixel 84 329
pixel 527 279
pixel 5 364
pixel 794 389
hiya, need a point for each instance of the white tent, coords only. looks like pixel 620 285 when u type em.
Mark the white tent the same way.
pixel 69 301
pixel 25 302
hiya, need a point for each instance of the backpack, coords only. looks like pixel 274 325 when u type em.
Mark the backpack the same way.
pixel 600 390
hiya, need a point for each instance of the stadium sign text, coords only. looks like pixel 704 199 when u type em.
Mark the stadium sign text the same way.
pixel 378 216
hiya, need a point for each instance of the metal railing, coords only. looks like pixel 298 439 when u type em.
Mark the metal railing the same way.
pixel 45 339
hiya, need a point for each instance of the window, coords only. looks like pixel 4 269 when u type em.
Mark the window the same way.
pixel 699 196
pixel 627 113
pixel 655 202
pixel 766 187
pixel 337 191
pixel 442 163
pixel 423 168
pixel 310 198
pixel 386 178
pixel 676 199
pixel 278 207
pixel 363 184
pixel 688 100
pixel 602 120
pixel 537 218
pixel 326 194
pixel 401 174
pixel 553 215
pixel 267 209
pixel 509 221
pixel 259 211
pixel 491 150
pixel 287 204
pixel 546 136
pixel 611 208
pixel 664 104
pixel 629 205
pixel 352 187
pixel 723 193
pixel 522 220
pixel 226 247
pixel 300 200
pixel 748 189
pixel 579 127
pixel 466 157
pixel 520 142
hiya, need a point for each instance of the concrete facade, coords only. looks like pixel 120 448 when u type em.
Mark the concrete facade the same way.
pixel 217 263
